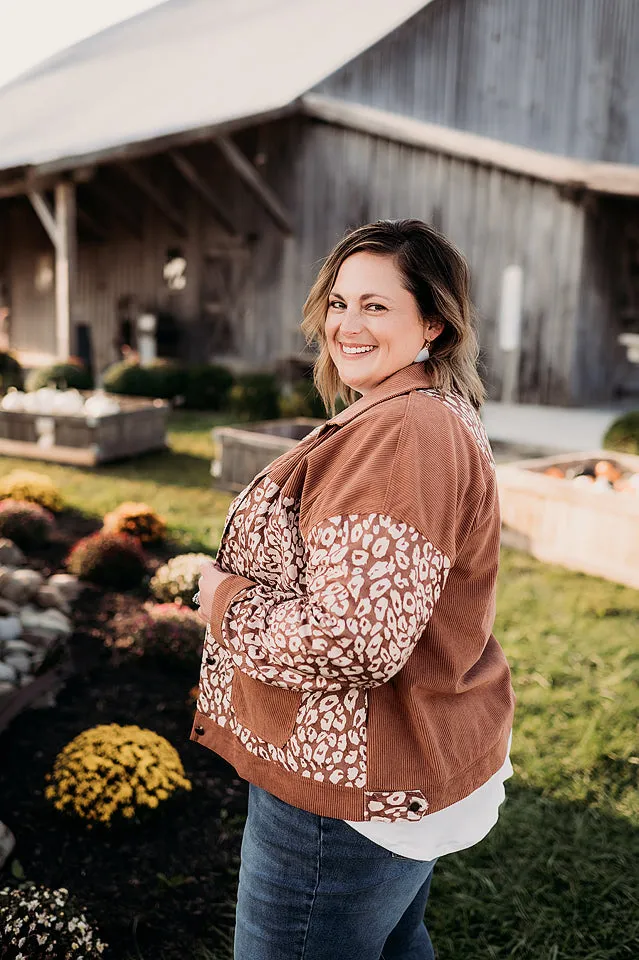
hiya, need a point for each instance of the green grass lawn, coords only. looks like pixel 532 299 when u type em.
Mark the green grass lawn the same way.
pixel 557 878
pixel 176 482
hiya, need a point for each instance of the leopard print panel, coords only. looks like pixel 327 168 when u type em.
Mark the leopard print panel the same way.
pixel 400 805
pixel 329 740
pixel 371 585
pixel 469 417
pixel 328 617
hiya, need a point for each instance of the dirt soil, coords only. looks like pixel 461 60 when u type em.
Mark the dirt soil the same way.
pixel 163 888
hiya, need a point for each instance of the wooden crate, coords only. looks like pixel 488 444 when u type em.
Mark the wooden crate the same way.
pixel 245 450
pixel 576 527
pixel 139 426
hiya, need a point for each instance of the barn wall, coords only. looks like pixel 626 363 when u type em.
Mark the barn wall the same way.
pixel 557 75
pixel 332 179
pixel 344 178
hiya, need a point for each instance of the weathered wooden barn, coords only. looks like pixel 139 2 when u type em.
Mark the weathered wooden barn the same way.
pixel 199 160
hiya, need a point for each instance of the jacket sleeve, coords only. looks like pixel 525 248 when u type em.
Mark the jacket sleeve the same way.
pixel 371 585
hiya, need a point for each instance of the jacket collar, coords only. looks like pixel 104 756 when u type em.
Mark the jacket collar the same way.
pixel 412 377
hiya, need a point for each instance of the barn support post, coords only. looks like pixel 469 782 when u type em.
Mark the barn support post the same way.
pixel 61 226
pixel 66 262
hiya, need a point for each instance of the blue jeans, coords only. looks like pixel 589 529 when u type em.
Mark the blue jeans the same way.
pixel 313 888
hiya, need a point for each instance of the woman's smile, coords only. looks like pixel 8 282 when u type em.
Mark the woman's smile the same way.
pixel 354 351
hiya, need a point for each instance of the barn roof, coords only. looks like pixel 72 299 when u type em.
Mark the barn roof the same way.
pixel 186 65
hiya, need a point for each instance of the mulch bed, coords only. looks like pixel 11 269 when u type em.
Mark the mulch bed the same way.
pixel 165 887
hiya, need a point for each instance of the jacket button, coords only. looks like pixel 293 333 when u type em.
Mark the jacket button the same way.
pixel 211 661
pixel 199 731
pixel 414 807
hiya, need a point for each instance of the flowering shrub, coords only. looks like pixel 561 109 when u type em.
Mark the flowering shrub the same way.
pixel 41 924
pixel 112 771
pixel 109 559
pixel 177 579
pixel 136 519
pixel 166 630
pixel 34 487
pixel 27 524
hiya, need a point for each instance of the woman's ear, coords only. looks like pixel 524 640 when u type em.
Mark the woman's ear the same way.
pixel 432 328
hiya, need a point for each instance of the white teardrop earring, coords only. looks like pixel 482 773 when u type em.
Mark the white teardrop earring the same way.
pixel 424 353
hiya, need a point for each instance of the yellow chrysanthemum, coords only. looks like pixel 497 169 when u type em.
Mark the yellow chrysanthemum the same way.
pixel 112 770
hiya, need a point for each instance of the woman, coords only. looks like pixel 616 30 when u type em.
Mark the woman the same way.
pixel 349 671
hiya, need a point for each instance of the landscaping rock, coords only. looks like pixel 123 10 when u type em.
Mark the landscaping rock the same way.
pixel 48 621
pixel 17 646
pixel 8 608
pixel 69 586
pixel 49 596
pixel 10 554
pixel 22 585
pixel 7 843
pixel 42 642
pixel 5 575
pixel 10 628
pixel 20 662
pixel 7 673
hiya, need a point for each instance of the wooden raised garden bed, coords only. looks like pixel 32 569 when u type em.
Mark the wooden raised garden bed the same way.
pixel 243 451
pixel 138 427
pixel 579 527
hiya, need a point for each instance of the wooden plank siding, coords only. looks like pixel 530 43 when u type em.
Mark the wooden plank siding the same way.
pixel 348 178
pixel 560 76
pixel 331 179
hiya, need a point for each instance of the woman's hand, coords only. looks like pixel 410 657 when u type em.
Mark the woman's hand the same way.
pixel 210 578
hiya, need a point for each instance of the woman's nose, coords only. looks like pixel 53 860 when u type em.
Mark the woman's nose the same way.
pixel 351 320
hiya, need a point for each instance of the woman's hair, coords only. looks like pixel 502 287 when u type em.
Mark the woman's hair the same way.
pixel 436 274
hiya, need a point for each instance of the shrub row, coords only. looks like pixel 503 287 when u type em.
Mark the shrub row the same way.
pixel 250 396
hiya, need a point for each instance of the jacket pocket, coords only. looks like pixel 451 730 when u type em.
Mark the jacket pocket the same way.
pixel 268 711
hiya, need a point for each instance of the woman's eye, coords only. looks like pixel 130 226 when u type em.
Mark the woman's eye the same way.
pixel 335 304
pixel 376 307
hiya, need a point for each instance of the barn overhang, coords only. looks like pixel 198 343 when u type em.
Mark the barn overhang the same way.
pixel 610 178
pixel 59 215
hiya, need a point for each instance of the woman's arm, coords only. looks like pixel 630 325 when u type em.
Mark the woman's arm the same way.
pixel 371 586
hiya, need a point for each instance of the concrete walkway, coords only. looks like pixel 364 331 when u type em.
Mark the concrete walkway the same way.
pixel 547 429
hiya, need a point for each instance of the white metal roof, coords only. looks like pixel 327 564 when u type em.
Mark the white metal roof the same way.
pixel 181 66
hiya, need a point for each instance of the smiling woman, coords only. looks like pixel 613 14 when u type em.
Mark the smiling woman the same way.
pixel 370 335
pixel 390 294
pixel 350 673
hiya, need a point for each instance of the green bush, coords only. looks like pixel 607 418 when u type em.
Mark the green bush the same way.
pixel 71 375
pixel 255 396
pixel 623 434
pixel 207 387
pixel 162 379
pixel 110 560
pixel 11 372
pixel 27 524
pixel 303 401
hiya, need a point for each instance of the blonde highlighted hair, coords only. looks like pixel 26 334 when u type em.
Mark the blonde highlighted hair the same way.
pixel 436 274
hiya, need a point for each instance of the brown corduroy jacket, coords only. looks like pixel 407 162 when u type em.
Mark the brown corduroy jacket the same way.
pixel 349 667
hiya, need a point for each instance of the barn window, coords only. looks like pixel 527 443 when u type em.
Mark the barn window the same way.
pixel 174 269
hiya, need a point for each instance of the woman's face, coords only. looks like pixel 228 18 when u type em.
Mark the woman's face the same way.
pixel 370 308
